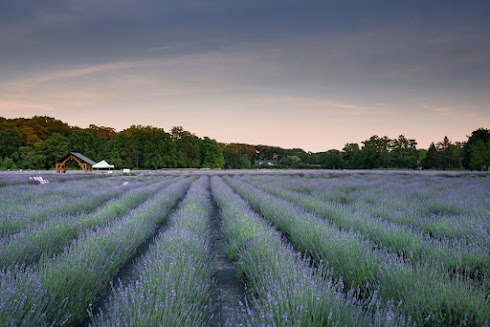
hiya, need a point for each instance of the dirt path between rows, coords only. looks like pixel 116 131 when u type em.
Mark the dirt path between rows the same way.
pixel 229 290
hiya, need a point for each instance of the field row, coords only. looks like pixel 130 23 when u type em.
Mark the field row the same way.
pixel 309 251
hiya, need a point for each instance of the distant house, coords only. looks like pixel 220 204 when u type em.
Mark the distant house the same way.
pixel 266 163
pixel 84 162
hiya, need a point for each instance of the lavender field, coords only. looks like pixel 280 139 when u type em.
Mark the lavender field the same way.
pixel 245 248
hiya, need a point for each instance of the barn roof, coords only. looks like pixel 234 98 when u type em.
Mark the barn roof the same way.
pixel 82 157
pixel 79 156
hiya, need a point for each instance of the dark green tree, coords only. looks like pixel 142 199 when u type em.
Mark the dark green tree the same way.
pixel 291 162
pixel 480 134
pixel 446 155
pixel 211 155
pixel 114 151
pixel 160 151
pixel 351 155
pixel 31 158
pixel 480 155
pixel 10 141
pixel 7 163
pixel 87 144
pixel 55 147
pixel 236 160
pixel 332 159
pixel 375 152
pixel 403 153
pixel 431 160
pixel 188 148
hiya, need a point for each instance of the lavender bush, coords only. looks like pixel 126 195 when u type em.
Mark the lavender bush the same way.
pixel 363 267
pixel 174 279
pixel 49 238
pixel 289 291
pixel 77 277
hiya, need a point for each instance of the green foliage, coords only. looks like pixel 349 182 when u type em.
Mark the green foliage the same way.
pixel 332 159
pixel 480 134
pixel 291 162
pixel 10 141
pixel 480 155
pixel 211 155
pixel 236 160
pixel 7 163
pixel 188 147
pixel 37 142
pixel 31 158
pixel 86 143
pixel 443 155
pixel 56 147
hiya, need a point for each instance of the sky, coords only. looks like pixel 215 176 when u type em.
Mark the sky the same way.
pixel 310 74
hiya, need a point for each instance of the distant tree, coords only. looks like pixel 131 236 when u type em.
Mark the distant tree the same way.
pixel 7 163
pixel 160 150
pixel 291 162
pixel 135 137
pixel 87 144
pixel 431 158
pixel 55 147
pixel 45 126
pixel 305 157
pixel 332 159
pixel 211 155
pixel 480 155
pixel 403 153
pixel 265 152
pixel 457 155
pixel 31 158
pixel 10 141
pixel 101 131
pixel 235 159
pixel 375 152
pixel 188 148
pixel 448 154
pixel 351 155
pixel 29 135
pixel 114 151
pixel 480 134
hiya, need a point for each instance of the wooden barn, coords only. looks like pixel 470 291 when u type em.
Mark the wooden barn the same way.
pixel 84 162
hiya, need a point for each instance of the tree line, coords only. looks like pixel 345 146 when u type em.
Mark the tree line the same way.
pixel 37 142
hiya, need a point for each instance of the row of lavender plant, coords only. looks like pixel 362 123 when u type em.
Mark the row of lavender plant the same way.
pixel 12 178
pixel 452 212
pixel 50 238
pixel 29 204
pixel 425 296
pixel 72 281
pixel 441 207
pixel 462 260
pixel 174 279
pixel 288 290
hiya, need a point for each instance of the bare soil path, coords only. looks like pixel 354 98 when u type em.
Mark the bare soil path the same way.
pixel 229 289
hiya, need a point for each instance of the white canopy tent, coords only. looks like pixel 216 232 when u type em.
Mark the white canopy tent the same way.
pixel 103 165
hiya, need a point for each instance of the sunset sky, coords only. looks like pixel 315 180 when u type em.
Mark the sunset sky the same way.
pixel 291 73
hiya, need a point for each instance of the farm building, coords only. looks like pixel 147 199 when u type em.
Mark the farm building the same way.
pixel 84 162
